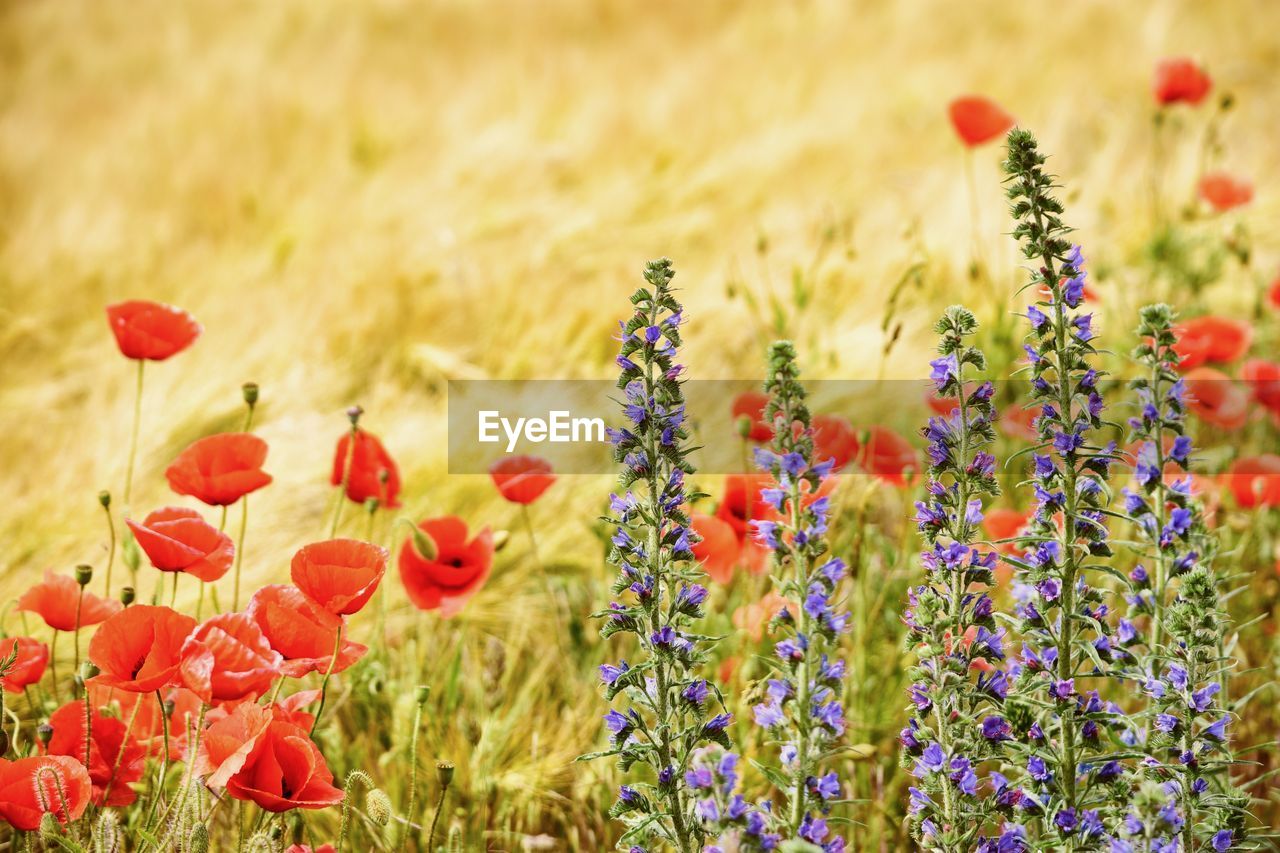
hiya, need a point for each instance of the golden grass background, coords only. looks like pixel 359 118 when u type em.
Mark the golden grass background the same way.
pixel 360 201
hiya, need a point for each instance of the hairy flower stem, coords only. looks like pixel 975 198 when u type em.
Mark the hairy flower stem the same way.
pixel 133 438
pixel 411 809
pixel 324 682
pixel 164 761
pixel 111 548
pixel 801 564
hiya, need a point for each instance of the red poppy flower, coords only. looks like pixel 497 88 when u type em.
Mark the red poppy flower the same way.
pixel 340 575
pixel 834 438
pixel 1255 481
pixel 1180 79
pixel 141 714
pixel 227 659
pixel 522 479
pixel 372 472
pixel 750 405
pixel 1216 399
pixel 116 759
pixel 1020 423
pixel 460 568
pixel 719 549
pixel 889 456
pixel 179 540
pixel 301 631
pixel 139 649
pixel 30 787
pixel 1004 523
pixel 55 600
pixel 1211 339
pixel 978 119
pixel 1263 378
pixel 220 469
pixel 306 848
pixel 940 405
pixel 1224 192
pixel 33 657
pixel 752 618
pixel 260 756
pixel 742 503
pixel 151 331
pixel 1274 293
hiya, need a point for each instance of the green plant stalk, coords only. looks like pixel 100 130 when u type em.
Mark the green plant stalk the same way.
pixel 324 683
pixel 133 439
pixel 412 807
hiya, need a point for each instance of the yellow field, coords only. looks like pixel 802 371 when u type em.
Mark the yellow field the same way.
pixel 360 201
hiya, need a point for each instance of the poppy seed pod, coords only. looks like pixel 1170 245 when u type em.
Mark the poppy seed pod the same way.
pixel 353 415
pixel 104 498
pixel 250 392
pixel 444 773
pixel 127 596
pixel 84 574
pixel 424 693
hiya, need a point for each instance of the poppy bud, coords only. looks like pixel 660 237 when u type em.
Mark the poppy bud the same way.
pixel 198 840
pixel 744 426
pixel 371 506
pixel 500 539
pixel 88 670
pixel 168 708
pixel 444 773
pixel 44 731
pixel 49 828
pixel 353 415
pixel 250 391
pixel 104 498
pixel 84 574
pixel 378 806
pixel 424 692
pixel 127 595
pixel 1228 101
pixel 422 541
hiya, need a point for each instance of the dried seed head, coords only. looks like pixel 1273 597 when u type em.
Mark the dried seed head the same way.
pixel 378 806
pixel 444 773
pixel 84 574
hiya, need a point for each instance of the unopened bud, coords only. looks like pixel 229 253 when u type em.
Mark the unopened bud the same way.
pixel 444 773
pixel 371 505
pixel 84 574
pixel 422 541
pixel 49 828
pixel 198 840
pixel 168 708
pixel 500 539
pixel 88 670
pixel 378 806
pixel 104 498
pixel 743 425
pixel 250 391
pixel 127 595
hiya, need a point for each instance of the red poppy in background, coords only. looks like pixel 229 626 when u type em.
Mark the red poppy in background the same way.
pixel 1004 523
pixel 1224 191
pixel 1216 399
pixel 220 469
pixel 750 405
pixel 940 405
pixel 978 119
pixel 144 712
pixel 1180 79
pixel 1211 339
pixel 1255 480
pixel 227 659
pixel 30 787
pixel 33 657
pixel 115 756
pixel 340 575
pixel 260 755
pixel 306 848
pixel 742 503
pixel 139 649
pixel 834 438
pixel 176 539
pixel 372 472
pixel 1020 423
pixel 301 631
pixel 752 618
pixel 522 479
pixel 1263 379
pixel 720 548
pixel 889 456
pixel 1274 293
pixel 55 600
pixel 460 567
pixel 150 330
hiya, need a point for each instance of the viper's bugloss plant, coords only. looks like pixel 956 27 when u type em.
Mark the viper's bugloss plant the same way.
pixel 803 708
pixel 957 721
pixel 1071 787
pixel 1178 659
pixel 669 709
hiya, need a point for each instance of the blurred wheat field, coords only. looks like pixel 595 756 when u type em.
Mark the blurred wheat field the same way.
pixel 362 201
